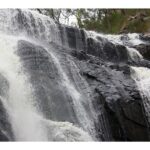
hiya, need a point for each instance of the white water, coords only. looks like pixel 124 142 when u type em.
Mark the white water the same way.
pixel 29 23
pixel 134 54
pixel 86 122
pixel 19 104
pixel 132 38
pixel 141 75
pixel 28 124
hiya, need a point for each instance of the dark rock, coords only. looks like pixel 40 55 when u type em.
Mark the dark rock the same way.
pixel 106 68
pixel 144 50
pixel 119 99
pixel 123 104
pixel 71 37
pixel 5 126
pixel 43 75
pixel 145 37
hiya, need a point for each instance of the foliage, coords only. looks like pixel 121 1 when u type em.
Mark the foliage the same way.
pixel 105 20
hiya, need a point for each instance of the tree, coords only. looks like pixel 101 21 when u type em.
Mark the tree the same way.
pixel 104 20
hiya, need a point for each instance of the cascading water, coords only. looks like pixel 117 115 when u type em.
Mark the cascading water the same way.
pixel 139 74
pixel 27 122
pixel 142 78
pixel 128 39
pixel 18 103
pixel 46 97
pixel 85 120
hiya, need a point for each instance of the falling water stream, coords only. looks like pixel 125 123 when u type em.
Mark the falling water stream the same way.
pixel 28 122
pixel 142 77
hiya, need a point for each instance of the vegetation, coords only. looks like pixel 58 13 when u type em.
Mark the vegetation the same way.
pixel 105 20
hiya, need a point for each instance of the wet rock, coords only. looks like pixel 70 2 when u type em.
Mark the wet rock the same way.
pixel 121 102
pixel 145 37
pixel 51 98
pixel 5 126
pixel 144 50
pixel 114 93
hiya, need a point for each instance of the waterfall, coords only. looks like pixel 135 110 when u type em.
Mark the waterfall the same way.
pixel 128 39
pixel 134 54
pixel 27 121
pixel 77 97
pixel 19 102
pixel 141 75
pixel 61 82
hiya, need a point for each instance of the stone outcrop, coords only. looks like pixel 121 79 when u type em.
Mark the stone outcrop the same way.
pixel 106 68
pixel 5 126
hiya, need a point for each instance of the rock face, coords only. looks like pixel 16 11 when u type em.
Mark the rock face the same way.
pixel 144 49
pixel 106 67
pixel 44 75
pixel 5 126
